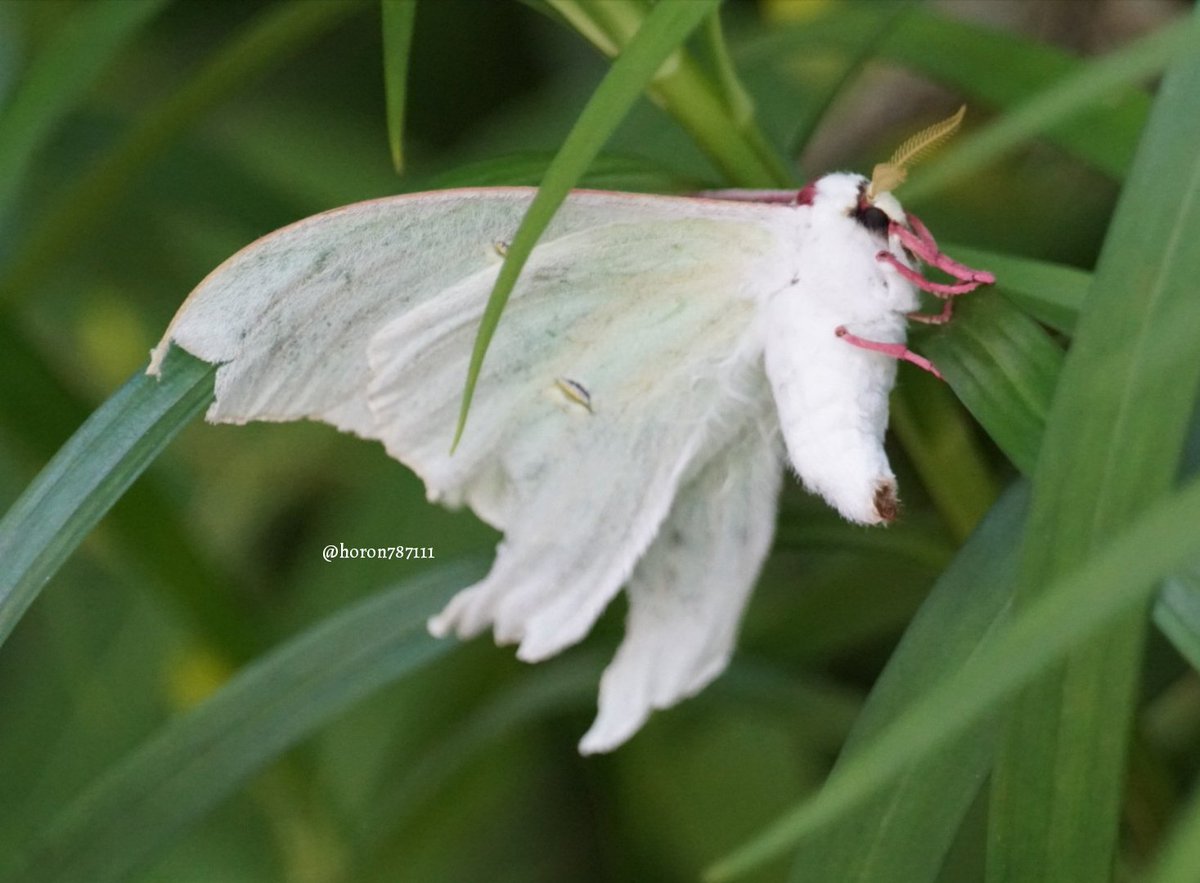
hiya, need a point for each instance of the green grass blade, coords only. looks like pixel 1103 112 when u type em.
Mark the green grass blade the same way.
pixel 1177 613
pixel 1089 86
pixel 90 473
pixel 1051 293
pixel 727 134
pixel 61 74
pixel 901 835
pixel 1003 367
pixel 1113 444
pixel 146 526
pixel 1116 581
pixel 738 102
pixel 398 18
pixel 141 805
pixel 661 34
pixel 268 39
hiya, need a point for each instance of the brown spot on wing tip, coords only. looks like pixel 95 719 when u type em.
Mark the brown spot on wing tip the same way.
pixel 887 506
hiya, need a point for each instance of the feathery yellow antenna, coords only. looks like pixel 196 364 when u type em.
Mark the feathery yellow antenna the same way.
pixel 891 174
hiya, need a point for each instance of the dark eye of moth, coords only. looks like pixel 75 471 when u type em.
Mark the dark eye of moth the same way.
pixel 873 218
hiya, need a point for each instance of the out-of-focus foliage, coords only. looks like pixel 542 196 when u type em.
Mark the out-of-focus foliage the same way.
pixel 144 141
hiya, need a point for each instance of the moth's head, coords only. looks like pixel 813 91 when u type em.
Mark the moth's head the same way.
pixel 870 203
pixel 842 194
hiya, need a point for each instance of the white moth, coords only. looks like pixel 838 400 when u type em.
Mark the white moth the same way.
pixel 657 357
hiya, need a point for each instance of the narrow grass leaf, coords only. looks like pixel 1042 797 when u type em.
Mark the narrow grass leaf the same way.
pixel 146 526
pixel 398 18
pixel 1051 293
pixel 90 473
pixel 701 106
pixel 1003 367
pixel 141 806
pixel 1118 579
pixel 1177 613
pixel 1113 444
pixel 901 835
pixel 662 32
pixel 60 75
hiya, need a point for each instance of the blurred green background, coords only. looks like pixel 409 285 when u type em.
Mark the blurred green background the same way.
pixel 209 124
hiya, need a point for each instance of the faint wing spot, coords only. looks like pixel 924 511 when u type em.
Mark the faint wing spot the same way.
pixel 574 392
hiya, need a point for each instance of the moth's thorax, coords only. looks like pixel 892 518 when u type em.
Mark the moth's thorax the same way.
pixel 840 273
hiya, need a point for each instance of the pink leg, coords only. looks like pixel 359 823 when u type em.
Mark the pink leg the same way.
pixel 921 282
pixel 921 243
pixel 895 350
pixel 935 318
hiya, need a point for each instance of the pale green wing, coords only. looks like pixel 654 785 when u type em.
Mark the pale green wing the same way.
pixel 629 356
pixel 687 594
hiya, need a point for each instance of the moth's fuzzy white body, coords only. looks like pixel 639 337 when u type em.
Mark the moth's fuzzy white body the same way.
pixel 832 397
pixel 624 430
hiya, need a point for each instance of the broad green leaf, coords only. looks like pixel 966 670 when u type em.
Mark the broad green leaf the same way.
pixel 268 39
pixel 140 806
pixel 90 473
pixel 1112 446
pixel 663 31
pixel 902 835
pixel 398 18
pixel 1003 367
pixel 1115 581
pixel 62 72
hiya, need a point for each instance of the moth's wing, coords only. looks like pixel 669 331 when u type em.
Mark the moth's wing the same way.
pixel 289 317
pixel 628 355
pixel 687 594
pixel 364 317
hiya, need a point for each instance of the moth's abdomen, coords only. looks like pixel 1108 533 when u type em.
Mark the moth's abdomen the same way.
pixel 832 397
